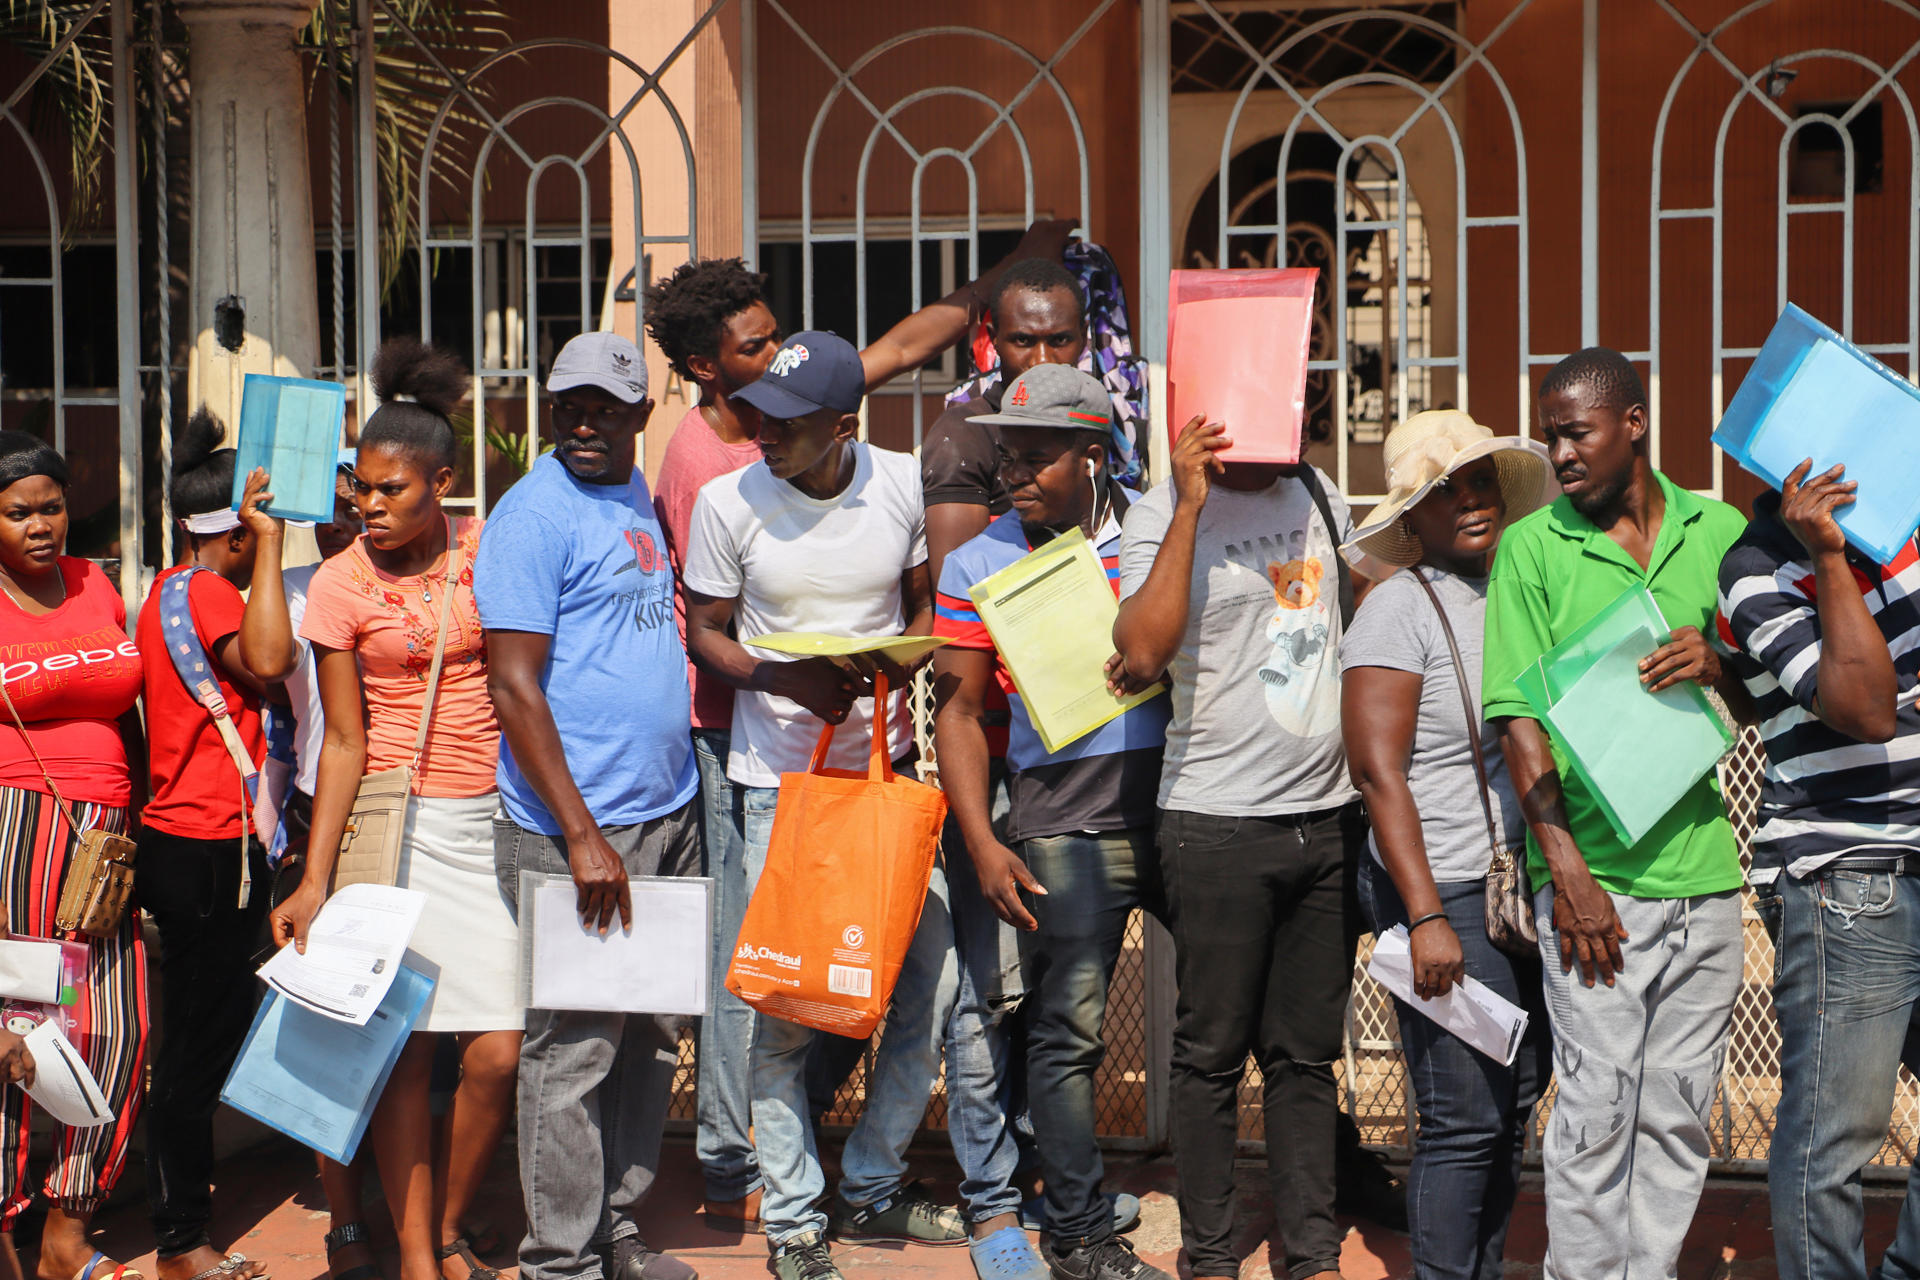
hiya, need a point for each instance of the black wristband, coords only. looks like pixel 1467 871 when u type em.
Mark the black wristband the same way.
pixel 1430 916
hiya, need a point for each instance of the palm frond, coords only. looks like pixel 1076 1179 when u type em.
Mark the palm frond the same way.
pixel 73 91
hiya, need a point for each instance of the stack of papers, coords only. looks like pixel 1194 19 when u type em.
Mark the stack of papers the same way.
pixel 660 965
pixel 1812 394
pixel 292 427
pixel 813 644
pixel 1638 752
pixel 1485 1019
pixel 1051 615
pixel 354 948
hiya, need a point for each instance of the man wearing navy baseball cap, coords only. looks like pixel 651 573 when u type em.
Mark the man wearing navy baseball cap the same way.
pixel 826 533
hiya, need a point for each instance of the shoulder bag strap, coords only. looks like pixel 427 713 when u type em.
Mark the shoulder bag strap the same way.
pixel 1466 705
pixel 73 824
pixel 439 652
pixel 1340 567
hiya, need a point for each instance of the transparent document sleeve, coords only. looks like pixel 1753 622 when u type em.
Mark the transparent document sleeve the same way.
pixel 1051 614
pixel 660 965
pixel 1486 1020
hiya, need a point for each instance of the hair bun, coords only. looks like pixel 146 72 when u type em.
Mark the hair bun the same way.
pixel 408 369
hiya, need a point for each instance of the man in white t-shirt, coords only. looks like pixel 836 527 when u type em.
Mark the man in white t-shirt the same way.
pixel 824 534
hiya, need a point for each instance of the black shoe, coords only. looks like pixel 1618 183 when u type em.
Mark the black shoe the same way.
pixel 805 1257
pixel 1366 1188
pixel 1109 1259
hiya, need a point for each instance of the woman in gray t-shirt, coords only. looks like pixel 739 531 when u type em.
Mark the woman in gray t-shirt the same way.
pixel 1409 743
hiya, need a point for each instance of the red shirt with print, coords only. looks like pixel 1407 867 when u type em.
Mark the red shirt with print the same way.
pixel 197 792
pixel 71 674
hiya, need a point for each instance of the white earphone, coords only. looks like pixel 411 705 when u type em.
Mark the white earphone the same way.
pixel 1092 470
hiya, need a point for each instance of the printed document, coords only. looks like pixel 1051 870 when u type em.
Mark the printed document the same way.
pixel 814 644
pixel 1486 1020
pixel 61 1082
pixel 354 948
pixel 657 966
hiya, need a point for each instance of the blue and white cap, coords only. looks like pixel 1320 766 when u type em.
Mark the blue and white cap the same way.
pixel 811 371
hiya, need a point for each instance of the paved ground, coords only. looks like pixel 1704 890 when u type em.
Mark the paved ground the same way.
pixel 271 1207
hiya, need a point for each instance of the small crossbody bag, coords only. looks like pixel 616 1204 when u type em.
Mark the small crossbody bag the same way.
pixel 1510 925
pixel 370 843
pixel 98 885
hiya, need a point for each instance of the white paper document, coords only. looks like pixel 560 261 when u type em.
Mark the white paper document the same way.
pixel 1486 1020
pixel 657 966
pixel 30 970
pixel 61 1082
pixel 354 947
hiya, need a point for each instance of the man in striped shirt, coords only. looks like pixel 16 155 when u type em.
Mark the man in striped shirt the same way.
pixel 1828 645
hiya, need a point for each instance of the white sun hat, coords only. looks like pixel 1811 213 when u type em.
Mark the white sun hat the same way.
pixel 1426 449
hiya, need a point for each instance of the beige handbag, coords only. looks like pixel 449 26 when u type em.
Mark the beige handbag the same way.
pixel 370 843
pixel 98 885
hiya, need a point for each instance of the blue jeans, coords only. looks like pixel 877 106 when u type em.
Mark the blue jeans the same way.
pixel 873 1164
pixel 724 1089
pixel 1846 978
pixel 1093 883
pixel 982 1107
pixel 1474 1112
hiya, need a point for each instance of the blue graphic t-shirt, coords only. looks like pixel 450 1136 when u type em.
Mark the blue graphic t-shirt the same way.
pixel 586 564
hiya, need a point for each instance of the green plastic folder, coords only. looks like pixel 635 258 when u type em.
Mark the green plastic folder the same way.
pixel 1638 752
pixel 1051 614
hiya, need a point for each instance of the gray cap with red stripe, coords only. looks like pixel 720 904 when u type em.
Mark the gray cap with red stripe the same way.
pixel 1054 395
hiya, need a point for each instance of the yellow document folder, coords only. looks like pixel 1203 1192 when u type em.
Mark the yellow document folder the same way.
pixel 1051 614
pixel 814 644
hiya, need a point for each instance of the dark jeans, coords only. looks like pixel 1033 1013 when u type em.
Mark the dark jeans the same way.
pixel 1474 1112
pixel 1258 908
pixel 207 993
pixel 1093 883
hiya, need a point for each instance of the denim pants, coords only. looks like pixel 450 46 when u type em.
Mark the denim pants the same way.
pixel 594 1086
pixel 982 1102
pixel 873 1164
pixel 1846 979
pixel 725 1083
pixel 1474 1112
pixel 1093 883
pixel 191 888
pixel 1638 1063
pixel 1258 908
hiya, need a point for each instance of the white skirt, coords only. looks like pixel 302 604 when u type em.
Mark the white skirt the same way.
pixel 466 941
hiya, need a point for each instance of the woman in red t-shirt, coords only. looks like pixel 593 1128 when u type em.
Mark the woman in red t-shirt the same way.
pixel 71 676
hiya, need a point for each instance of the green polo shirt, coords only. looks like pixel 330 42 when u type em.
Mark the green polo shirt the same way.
pixel 1553 572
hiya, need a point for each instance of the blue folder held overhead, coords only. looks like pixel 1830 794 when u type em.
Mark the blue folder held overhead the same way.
pixel 317 1079
pixel 1813 394
pixel 291 426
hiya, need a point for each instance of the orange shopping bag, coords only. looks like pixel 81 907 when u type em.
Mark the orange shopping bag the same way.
pixel 840 896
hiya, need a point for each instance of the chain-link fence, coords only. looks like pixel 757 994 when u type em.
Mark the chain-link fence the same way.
pixel 1373 1074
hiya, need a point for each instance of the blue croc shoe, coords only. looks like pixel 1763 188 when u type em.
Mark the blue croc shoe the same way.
pixel 1126 1212
pixel 1007 1254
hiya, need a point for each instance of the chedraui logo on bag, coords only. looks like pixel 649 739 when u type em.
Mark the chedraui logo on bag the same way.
pixel 750 952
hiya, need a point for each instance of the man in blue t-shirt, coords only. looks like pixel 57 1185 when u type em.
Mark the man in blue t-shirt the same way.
pixel 597 781
pixel 1081 820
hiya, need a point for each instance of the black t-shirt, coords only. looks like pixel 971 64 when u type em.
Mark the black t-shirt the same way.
pixel 960 458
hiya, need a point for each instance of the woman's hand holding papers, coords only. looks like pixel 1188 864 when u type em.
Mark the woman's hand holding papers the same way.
pixel 1687 656
pixel 292 918
pixel 16 1060
pixel 1437 960
pixel 1003 874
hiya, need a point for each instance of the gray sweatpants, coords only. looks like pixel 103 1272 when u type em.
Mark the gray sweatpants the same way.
pixel 594 1087
pixel 1626 1148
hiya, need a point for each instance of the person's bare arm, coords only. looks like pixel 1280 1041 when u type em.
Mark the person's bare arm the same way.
pixel 1379 708
pixel 267 649
pixel 938 325
pixel 951 525
pixel 1857 691
pixel 961 678
pixel 343 762
pixel 817 684
pixel 1590 929
pixel 1153 619
pixel 515 660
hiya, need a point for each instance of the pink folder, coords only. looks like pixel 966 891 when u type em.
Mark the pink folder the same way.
pixel 1237 353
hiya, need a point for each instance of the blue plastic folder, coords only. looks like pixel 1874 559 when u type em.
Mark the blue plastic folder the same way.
pixel 291 426
pixel 1813 394
pixel 317 1079
pixel 1638 752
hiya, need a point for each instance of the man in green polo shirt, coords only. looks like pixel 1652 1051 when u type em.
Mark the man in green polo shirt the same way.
pixel 1653 929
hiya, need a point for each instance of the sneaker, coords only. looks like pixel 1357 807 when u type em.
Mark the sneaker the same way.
pixel 633 1259
pixel 1109 1259
pixel 908 1214
pixel 1126 1212
pixel 804 1257
pixel 1006 1254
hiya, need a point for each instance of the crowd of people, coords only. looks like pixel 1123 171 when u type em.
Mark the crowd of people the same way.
pixel 1340 746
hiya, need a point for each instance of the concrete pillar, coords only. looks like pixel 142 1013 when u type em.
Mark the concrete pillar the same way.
pixel 252 206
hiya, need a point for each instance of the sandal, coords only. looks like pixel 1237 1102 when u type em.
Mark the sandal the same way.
pixel 229 1267
pixel 462 1248
pixel 121 1271
pixel 484 1241
pixel 354 1233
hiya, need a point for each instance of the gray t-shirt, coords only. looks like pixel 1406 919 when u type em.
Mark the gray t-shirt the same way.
pixel 1397 628
pixel 1256 681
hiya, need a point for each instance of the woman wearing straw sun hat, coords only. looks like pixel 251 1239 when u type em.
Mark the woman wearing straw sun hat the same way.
pixel 1439 808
